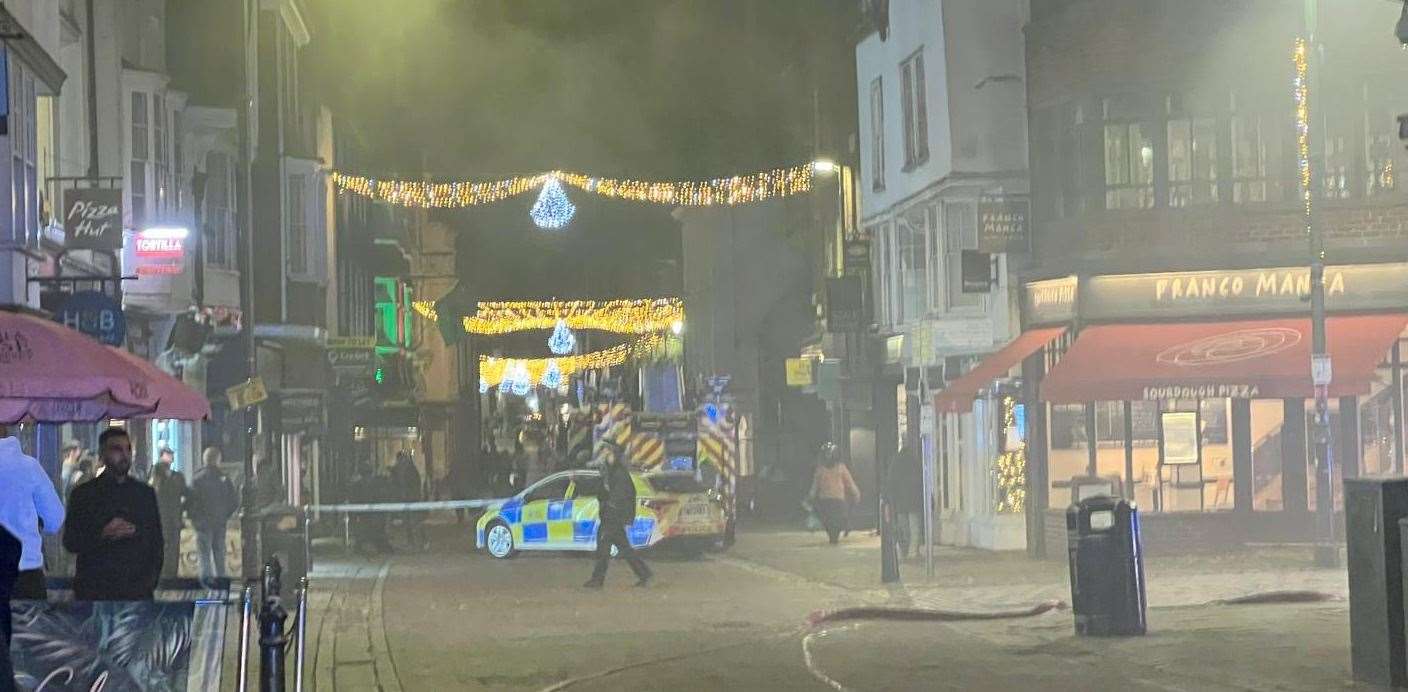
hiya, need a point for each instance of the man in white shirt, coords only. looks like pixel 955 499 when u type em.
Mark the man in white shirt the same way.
pixel 28 505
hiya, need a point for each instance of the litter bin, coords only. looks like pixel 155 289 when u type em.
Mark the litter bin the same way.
pixel 1107 567
pixel 284 532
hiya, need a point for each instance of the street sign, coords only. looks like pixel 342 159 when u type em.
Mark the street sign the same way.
pixel 1320 370
pixel 246 394
pixel 93 218
pixel 95 314
pixel 351 342
pixel 799 372
pixel 845 296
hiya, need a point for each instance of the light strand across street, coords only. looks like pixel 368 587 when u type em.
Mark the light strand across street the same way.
pixel 637 316
pixel 492 370
pixel 730 190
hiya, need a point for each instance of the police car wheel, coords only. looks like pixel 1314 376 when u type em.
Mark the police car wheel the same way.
pixel 498 540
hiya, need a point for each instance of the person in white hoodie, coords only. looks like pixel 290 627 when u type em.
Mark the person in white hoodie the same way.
pixel 28 504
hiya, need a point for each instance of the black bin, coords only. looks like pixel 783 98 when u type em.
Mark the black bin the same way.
pixel 1107 567
pixel 284 533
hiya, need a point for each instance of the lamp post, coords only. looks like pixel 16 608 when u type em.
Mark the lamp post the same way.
pixel 1326 551
pixel 249 523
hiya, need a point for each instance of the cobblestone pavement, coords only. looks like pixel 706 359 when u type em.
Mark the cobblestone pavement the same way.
pixel 453 620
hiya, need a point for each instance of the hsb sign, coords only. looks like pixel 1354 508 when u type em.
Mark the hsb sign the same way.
pixel 96 315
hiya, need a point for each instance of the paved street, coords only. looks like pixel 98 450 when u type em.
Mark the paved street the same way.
pixel 450 619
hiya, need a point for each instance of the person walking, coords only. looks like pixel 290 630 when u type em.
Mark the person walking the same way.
pixel 904 490
pixel 170 487
pixel 406 479
pixel 833 492
pixel 69 455
pixel 114 529
pixel 28 505
pixel 210 503
pixel 617 511
pixel 10 551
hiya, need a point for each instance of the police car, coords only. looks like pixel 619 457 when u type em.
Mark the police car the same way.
pixel 560 512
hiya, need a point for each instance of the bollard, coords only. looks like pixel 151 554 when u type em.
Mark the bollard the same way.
pixel 302 624
pixel 271 631
pixel 246 614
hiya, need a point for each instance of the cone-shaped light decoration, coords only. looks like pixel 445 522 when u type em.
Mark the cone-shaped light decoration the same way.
pixel 552 375
pixel 552 210
pixel 562 340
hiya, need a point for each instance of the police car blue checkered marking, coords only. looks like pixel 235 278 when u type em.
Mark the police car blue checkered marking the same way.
pixel 584 531
pixel 535 533
pixel 560 510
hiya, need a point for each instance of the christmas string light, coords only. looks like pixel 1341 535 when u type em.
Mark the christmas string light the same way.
pixel 1301 92
pixel 643 316
pixel 553 210
pixel 496 371
pixel 1011 467
pixel 552 375
pixel 738 189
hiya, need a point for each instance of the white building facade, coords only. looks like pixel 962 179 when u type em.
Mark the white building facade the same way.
pixel 942 141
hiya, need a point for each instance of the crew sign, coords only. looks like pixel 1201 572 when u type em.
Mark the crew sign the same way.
pixel 93 219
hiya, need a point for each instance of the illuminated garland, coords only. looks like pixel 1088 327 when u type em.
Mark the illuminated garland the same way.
pixel 645 316
pixel 1011 468
pixel 1301 93
pixel 492 370
pixel 738 189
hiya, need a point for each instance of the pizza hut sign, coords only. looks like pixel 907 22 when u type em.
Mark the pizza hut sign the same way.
pixel 93 219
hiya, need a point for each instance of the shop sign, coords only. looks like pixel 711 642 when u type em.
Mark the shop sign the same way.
pixel 1051 302
pixel 845 302
pixel 1178 439
pixel 962 336
pixel 1002 223
pixel 857 257
pixel 1201 391
pixel 799 372
pixel 976 271
pixel 93 219
pixel 248 393
pixel 1242 291
pixel 301 412
pixel 95 314
pixel 351 342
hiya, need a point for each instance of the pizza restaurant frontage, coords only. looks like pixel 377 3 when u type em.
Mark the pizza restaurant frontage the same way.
pixel 1190 393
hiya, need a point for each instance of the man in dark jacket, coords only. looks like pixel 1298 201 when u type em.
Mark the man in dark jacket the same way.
pixel 210 503
pixel 904 491
pixel 170 487
pixel 10 549
pixel 405 477
pixel 617 511
pixel 114 528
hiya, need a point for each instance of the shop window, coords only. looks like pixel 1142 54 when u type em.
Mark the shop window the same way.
pixel 913 271
pixel 960 233
pixel 297 225
pixel 1078 153
pixel 916 116
pixel 877 135
pixel 1257 167
pixel 1129 156
pixel 1381 147
pixel 1376 434
pixel 137 173
pixel 1192 158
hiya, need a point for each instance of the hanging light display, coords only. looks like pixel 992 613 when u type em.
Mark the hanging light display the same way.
pixel 553 210
pixel 562 340
pixel 624 316
pixel 552 375
pixel 499 370
pixel 730 190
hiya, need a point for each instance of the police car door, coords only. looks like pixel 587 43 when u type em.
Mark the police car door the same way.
pixel 586 509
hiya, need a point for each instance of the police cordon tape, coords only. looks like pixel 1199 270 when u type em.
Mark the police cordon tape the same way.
pixel 405 506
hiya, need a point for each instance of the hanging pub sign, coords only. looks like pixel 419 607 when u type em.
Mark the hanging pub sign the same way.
pixel 857 257
pixel 845 304
pixel 95 314
pixel 93 218
pixel 976 271
pixel 1002 223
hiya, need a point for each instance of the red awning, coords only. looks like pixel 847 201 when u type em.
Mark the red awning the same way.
pixel 1268 359
pixel 958 396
